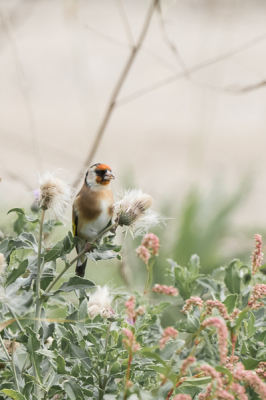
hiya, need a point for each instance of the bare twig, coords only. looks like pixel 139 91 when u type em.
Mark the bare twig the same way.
pixel 145 49
pixel 170 43
pixel 191 70
pixel 117 89
pixel 10 34
pixel 125 22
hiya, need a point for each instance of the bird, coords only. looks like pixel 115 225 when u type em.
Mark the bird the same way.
pixel 92 209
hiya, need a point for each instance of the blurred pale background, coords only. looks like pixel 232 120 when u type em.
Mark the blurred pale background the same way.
pixel 59 63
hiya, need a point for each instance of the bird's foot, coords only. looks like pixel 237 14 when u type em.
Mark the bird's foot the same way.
pixel 88 247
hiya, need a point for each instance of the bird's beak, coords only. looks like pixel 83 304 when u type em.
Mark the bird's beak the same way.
pixel 109 175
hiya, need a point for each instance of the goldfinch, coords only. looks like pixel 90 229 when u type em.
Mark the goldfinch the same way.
pixel 92 208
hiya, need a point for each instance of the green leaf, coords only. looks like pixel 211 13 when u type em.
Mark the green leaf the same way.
pixel 22 212
pixel 171 348
pixel 230 302
pixel 47 353
pixel 61 248
pixel 115 368
pixel 251 323
pixel 81 355
pixel 61 365
pixel 73 390
pixel 194 264
pixel 197 381
pixel 16 273
pixel 75 283
pixel 225 371
pixel 149 353
pixel 251 363
pixel 97 255
pixel 232 278
pixel 240 318
pixel 33 347
pixel 13 394
pixel 192 324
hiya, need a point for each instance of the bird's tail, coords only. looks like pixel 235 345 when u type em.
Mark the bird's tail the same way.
pixel 81 264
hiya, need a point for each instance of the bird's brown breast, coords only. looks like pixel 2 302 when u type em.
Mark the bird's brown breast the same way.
pixel 88 203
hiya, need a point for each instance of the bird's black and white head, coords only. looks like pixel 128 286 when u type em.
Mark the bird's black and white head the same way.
pixel 99 176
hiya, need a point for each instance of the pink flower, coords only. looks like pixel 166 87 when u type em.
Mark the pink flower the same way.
pixel 250 378
pixel 143 253
pixel 261 370
pixel 130 306
pixel 193 301
pixel 257 254
pixel 234 314
pixel 186 363
pixel 182 397
pixel 169 333
pixel 222 333
pixel 130 342
pixel 163 289
pixel 259 291
pixel 239 391
pixel 207 394
pixel 151 242
pixel 211 304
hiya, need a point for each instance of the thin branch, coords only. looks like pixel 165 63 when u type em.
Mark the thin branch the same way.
pixel 170 43
pixel 16 177
pixel 11 37
pixel 125 22
pixel 195 68
pixel 248 88
pixel 117 89
pixel 144 48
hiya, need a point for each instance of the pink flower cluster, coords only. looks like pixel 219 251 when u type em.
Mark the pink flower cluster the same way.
pixel 169 333
pixel 261 370
pixel 143 253
pixel 186 363
pixel 182 397
pixel 130 342
pixel 131 312
pixel 163 289
pixel 130 306
pixel 257 254
pixel 222 334
pixel 250 378
pixel 149 246
pixel 234 314
pixel 259 291
pixel 151 242
pixel 193 301
pixel 220 393
pixel 211 304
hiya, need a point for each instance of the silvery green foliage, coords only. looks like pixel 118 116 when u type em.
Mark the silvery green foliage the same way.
pixel 76 357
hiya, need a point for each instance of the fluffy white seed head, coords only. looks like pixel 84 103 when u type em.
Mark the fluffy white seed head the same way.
pixel 55 195
pixel 100 303
pixel 133 212
pixel 2 264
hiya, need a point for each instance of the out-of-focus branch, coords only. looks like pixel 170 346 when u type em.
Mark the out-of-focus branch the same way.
pixel 125 22
pixel 16 177
pixel 170 43
pixel 191 70
pixel 246 89
pixel 11 37
pixel 144 48
pixel 121 80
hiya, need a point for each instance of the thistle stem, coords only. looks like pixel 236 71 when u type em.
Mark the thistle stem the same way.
pixel 78 256
pixel 16 318
pixel 38 299
pixel 14 367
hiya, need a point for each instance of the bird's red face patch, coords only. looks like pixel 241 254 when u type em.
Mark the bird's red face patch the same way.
pixel 103 167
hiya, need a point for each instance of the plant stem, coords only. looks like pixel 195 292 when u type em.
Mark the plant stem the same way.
pixel 78 256
pixel 14 367
pixel 16 318
pixel 38 299
pixel 117 88
pixel 38 279
pixel 128 374
pixel 4 348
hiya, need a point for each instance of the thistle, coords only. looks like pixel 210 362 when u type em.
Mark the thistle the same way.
pixel 133 212
pixel 100 303
pixel 55 195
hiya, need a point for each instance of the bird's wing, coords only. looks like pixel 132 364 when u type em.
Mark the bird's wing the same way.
pixel 74 222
